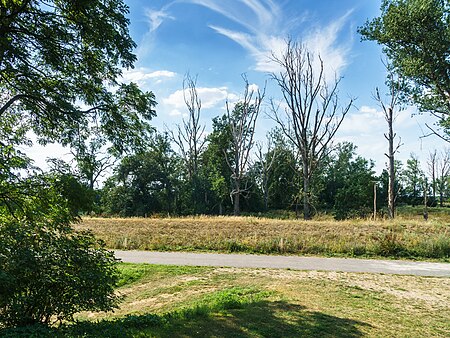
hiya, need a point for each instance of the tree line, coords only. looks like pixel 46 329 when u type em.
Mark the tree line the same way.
pixel 161 181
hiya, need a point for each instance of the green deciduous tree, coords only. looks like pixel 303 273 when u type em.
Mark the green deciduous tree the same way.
pixel 215 167
pixel 48 271
pixel 284 180
pixel 413 178
pixel 58 54
pixel 59 67
pixel 80 196
pixel 349 183
pixel 145 182
pixel 415 35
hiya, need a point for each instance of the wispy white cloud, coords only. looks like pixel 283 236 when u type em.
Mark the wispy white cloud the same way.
pixel 156 18
pixel 243 39
pixel 323 41
pixel 251 14
pixel 209 96
pixel 258 18
pixel 367 126
pixel 262 29
pixel 142 75
pixel 261 18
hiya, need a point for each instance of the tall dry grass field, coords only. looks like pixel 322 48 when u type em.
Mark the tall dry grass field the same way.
pixel 404 237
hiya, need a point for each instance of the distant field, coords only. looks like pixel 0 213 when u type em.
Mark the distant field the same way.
pixel 407 236
pixel 171 301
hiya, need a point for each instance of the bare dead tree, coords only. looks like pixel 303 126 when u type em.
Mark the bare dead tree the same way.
pixel 190 134
pixel 394 84
pixel 443 170
pixel 313 113
pixel 266 161
pixel 241 120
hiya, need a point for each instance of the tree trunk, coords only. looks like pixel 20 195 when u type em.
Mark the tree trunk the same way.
pixel 391 185
pixel 237 210
pixel 306 193
pixel 266 192
pixel 236 197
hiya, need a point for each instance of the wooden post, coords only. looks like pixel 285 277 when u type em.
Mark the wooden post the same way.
pixel 374 200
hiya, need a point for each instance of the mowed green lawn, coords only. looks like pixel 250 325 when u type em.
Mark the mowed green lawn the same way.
pixel 170 301
pixel 408 236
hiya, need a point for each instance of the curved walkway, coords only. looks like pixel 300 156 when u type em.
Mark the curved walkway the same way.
pixel 287 262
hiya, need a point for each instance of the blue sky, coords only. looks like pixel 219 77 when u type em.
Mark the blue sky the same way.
pixel 219 40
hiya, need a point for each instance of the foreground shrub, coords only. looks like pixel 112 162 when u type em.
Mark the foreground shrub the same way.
pixel 48 273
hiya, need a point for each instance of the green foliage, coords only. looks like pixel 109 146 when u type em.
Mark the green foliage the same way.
pixel 80 196
pixel 284 177
pixel 215 167
pixel 54 58
pixel 413 179
pixel 56 54
pixel 144 182
pixel 348 183
pixel 50 273
pixel 415 35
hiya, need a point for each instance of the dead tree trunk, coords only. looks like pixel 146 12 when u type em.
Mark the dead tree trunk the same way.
pixel 390 156
pixel 313 113
pixel 190 137
pixel 241 121
pixel 266 162
pixel 394 85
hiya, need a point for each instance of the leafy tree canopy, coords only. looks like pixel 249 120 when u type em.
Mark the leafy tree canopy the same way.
pixel 58 59
pixel 415 35
pixel 144 182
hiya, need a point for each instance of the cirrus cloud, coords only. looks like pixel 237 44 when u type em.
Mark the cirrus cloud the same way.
pixel 142 75
pixel 209 96
pixel 255 22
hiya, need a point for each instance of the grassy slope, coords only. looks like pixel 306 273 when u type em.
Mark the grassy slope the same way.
pixel 407 236
pixel 161 301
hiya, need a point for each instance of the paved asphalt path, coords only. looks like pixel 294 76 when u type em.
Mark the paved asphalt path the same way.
pixel 287 262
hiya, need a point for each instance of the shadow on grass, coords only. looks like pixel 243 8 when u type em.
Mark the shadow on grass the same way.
pixel 267 319
pixel 260 319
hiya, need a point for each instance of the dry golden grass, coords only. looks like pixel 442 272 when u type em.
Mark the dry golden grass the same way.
pixel 403 237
